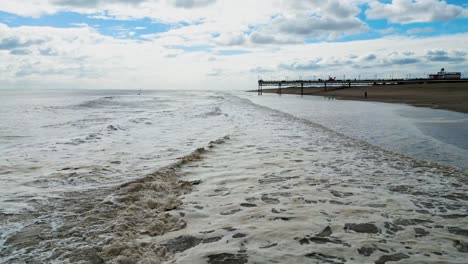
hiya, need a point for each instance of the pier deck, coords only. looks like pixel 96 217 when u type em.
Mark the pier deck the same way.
pixel 343 83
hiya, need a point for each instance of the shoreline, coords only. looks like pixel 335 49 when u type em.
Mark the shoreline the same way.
pixel 303 204
pixel 445 96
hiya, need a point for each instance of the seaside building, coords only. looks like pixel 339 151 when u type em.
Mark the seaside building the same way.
pixel 443 75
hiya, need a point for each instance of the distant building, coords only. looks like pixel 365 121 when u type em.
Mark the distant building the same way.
pixel 443 75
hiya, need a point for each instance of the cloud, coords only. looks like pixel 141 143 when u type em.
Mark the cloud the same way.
pixel 402 61
pixel 296 29
pixel 31 69
pixel 261 70
pixel 40 48
pixel 171 11
pixel 412 61
pixel 318 26
pixel 215 72
pixel 335 8
pixel 370 57
pixel 191 3
pixel 14 42
pixel 444 56
pixel 94 3
pixel 302 66
pixel 413 11
pixel 415 31
pixel 20 52
pixel 311 19
pixel 387 31
pixel 262 38
pixel 224 52
pixel 48 51
pixel 231 39
pixel 459 53
pixel 234 21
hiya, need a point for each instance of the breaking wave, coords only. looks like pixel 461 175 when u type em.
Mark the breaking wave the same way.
pixel 105 224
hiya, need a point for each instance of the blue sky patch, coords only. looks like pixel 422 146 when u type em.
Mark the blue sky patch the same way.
pixel 132 29
pixel 232 52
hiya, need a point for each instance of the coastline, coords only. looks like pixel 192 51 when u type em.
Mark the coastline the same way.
pixel 446 96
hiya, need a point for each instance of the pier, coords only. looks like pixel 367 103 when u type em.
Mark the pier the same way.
pixel 324 84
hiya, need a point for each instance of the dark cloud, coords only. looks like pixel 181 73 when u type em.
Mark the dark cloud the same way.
pixel 48 52
pixel 259 38
pixel 261 70
pixel 20 52
pixel 78 69
pixel 312 19
pixel 27 70
pixel 370 57
pixel 441 55
pixel 239 40
pixel 316 26
pixel 94 3
pixel 370 61
pixel 437 53
pixel 231 40
pixel 337 8
pixel 341 8
pixel 191 3
pixel 11 43
pixel 403 61
pixel 263 38
pixel 459 53
pixel 296 66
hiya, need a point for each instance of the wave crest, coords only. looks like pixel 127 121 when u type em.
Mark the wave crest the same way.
pixel 111 220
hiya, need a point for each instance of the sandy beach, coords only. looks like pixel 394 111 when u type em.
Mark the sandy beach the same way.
pixel 449 96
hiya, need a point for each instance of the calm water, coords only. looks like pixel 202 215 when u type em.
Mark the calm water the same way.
pixel 92 176
pixel 423 133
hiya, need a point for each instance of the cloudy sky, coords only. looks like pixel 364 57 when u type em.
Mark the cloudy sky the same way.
pixel 224 44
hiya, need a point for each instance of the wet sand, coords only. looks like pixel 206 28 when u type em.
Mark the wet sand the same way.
pixel 448 96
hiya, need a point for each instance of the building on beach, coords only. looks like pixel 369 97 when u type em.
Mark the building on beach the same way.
pixel 443 75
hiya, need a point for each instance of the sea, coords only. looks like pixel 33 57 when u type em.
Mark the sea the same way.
pixel 111 176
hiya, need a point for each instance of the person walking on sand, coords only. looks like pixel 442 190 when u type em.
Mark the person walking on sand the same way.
pixel 365 94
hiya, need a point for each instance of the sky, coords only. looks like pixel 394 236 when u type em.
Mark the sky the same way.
pixel 224 44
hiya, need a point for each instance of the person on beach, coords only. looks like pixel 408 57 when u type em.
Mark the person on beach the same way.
pixel 365 94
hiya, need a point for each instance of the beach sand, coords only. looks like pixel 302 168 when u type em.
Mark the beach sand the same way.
pixel 449 96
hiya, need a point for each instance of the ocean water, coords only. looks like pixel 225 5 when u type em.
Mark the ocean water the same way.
pixel 422 133
pixel 208 177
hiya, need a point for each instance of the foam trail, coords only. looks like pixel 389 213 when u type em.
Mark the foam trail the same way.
pixel 286 190
pixel 106 225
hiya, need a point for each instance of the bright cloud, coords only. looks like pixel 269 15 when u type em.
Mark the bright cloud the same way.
pixel 413 11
